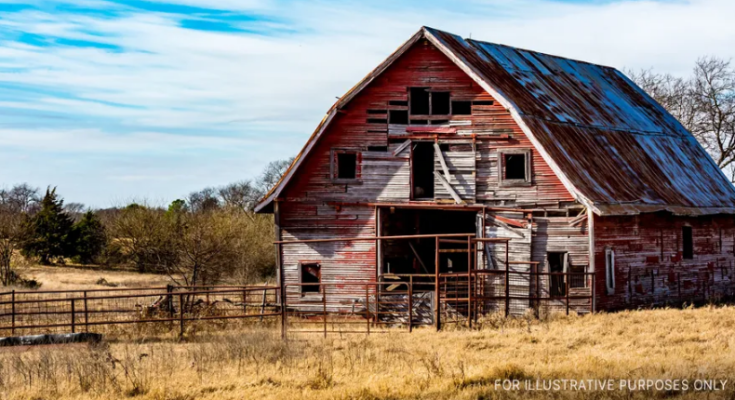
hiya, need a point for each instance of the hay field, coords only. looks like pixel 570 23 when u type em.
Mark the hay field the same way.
pixel 689 344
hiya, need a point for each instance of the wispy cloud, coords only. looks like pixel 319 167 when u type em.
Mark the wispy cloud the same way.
pixel 112 91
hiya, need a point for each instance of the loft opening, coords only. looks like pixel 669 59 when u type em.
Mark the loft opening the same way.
pixel 310 276
pixel 422 171
pixel 345 165
pixel 515 167
pixel 423 101
pixel 417 256
pixel 557 263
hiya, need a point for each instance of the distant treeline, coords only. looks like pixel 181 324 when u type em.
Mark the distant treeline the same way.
pixel 210 236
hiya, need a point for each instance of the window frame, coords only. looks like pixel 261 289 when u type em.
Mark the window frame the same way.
pixel 684 251
pixel 578 276
pixel 528 181
pixel 610 270
pixel 334 165
pixel 302 264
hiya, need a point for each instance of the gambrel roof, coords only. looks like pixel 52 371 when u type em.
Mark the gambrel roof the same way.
pixel 613 147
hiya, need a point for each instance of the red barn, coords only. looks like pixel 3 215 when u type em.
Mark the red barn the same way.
pixel 600 197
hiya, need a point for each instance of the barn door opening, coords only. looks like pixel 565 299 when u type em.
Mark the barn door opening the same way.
pixel 557 262
pixel 417 256
pixel 422 171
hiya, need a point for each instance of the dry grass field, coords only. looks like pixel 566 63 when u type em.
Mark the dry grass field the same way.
pixel 87 277
pixel 690 344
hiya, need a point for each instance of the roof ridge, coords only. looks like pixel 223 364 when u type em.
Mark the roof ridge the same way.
pixel 471 41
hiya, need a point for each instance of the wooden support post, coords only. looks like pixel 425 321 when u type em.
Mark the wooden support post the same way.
pixel 566 290
pixel 12 312
pixel 469 281
pixel 284 312
pixel 410 304
pixel 73 321
pixel 181 315
pixel 86 313
pixel 592 299
pixel 437 302
pixel 367 307
pixel 262 305
pixel 324 309
pixel 507 280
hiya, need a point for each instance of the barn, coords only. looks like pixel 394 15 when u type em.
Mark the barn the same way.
pixel 502 179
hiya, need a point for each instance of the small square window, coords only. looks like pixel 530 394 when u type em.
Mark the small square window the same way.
pixel 688 242
pixel 440 103
pixel 398 117
pixel 514 167
pixel 419 101
pixel 345 165
pixel 577 277
pixel 461 108
pixel 311 277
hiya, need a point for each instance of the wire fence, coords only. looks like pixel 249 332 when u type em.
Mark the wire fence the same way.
pixel 36 312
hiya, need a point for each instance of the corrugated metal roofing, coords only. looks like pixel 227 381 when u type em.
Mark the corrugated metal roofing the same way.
pixel 615 149
pixel 619 150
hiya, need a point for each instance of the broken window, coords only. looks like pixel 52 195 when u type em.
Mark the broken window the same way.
pixel 377 148
pixel 422 171
pixel 610 270
pixel 419 101
pixel 311 277
pixel 557 266
pixel 440 103
pixel 687 238
pixel 398 117
pixel 345 165
pixel 577 277
pixel 515 167
pixel 461 108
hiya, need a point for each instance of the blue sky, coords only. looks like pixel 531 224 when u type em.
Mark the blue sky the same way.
pixel 117 100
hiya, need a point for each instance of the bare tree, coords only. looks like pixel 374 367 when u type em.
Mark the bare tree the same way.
pixel 713 92
pixel 15 205
pixel 205 199
pixel 704 103
pixel 11 236
pixel 75 210
pixel 239 195
pixel 271 175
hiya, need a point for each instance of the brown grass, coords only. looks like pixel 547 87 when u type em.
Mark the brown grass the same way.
pixel 87 277
pixel 656 344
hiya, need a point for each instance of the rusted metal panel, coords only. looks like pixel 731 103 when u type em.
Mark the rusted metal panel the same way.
pixel 619 150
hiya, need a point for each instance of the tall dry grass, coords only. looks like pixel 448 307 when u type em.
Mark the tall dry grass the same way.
pixel 656 344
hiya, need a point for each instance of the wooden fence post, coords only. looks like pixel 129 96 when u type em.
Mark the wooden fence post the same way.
pixel 469 281
pixel 367 307
pixel 181 315
pixel 437 301
pixel 324 303
pixel 566 289
pixel 507 280
pixel 86 313
pixel 73 322
pixel 12 312
pixel 410 303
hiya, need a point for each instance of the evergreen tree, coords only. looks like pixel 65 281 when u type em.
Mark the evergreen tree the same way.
pixel 89 237
pixel 48 232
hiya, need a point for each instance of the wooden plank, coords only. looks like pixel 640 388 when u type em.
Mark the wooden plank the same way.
pixel 449 188
pixel 442 161
pixel 402 147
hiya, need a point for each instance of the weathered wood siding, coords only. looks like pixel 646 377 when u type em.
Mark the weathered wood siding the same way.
pixel 315 206
pixel 649 264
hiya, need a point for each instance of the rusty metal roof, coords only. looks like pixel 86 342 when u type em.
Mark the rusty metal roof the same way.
pixel 615 149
